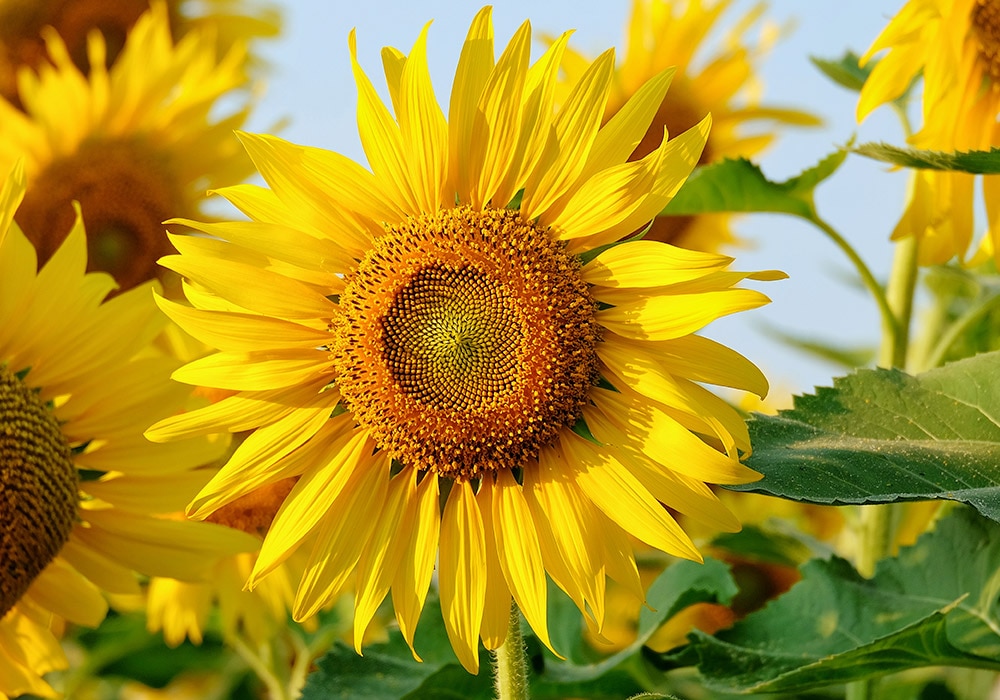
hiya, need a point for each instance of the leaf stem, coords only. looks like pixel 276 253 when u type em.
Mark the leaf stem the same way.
pixel 275 688
pixel 510 663
pixel 890 325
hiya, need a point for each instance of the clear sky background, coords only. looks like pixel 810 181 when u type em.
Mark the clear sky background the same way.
pixel 311 86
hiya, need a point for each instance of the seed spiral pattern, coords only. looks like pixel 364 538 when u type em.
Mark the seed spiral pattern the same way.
pixel 38 488
pixel 986 28
pixel 465 341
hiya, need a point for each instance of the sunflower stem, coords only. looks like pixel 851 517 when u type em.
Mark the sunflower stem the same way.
pixel 261 668
pixel 510 662
pixel 877 524
pixel 890 322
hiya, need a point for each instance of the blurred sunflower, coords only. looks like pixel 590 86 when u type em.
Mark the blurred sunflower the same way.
pixel 22 21
pixel 666 33
pixel 134 145
pixel 79 484
pixel 451 375
pixel 955 47
pixel 181 608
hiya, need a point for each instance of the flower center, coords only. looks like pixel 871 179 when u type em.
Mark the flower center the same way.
pixel 125 193
pixel 465 341
pixel 986 28
pixel 38 488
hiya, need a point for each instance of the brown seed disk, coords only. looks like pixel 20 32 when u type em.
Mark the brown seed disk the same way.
pixel 465 341
pixel 986 30
pixel 125 193
pixel 38 488
pixel 254 512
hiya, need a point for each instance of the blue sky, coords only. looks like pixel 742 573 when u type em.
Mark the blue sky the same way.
pixel 311 86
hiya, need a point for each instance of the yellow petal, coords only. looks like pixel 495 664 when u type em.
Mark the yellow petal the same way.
pixel 496 613
pixel 423 130
pixel 378 563
pixel 650 264
pixel 669 316
pixel 421 528
pixel 462 573
pixel 474 66
pixel 520 553
pixel 342 536
pixel 255 371
pixel 323 483
pixel 621 497
pixel 62 590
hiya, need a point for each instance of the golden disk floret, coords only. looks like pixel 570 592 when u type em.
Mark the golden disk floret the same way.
pixel 986 28
pixel 465 341
pixel 38 488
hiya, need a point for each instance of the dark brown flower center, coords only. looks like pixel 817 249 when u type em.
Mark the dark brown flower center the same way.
pixel 466 341
pixel 986 30
pixel 125 193
pixel 38 488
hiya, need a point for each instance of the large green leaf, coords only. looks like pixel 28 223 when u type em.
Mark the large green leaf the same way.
pixel 935 604
pixel 737 185
pixel 881 435
pixel 976 162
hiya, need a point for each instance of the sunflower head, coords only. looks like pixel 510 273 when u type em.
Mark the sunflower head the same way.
pixel 82 493
pixel 38 487
pixel 718 80
pixel 22 24
pixel 455 353
pixel 132 144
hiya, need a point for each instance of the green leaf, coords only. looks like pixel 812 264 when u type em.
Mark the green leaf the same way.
pixel 737 185
pixel 976 162
pixel 936 604
pixel 880 436
pixel 681 585
pixel 844 356
pixel 844 71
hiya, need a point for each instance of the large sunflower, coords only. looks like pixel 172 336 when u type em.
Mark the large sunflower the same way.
pixel 955 46
pixel 79 484
pixel 22 22
pixel 665 33
pixel 458 326
pixel 134 145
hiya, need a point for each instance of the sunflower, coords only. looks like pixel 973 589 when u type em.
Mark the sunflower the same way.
pixel 455 357
pixel 22 23
pixel 955 46
pixel 181 608
pixel 664 33
pixel 79 485
pixel 133 145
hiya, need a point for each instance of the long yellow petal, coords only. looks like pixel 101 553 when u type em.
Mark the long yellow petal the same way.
pixel 254 371
pixel 650 264
pixel 422 527
pixel 474 66
pixel 520 553
pixel 381 139
pixel 423 130
pixel 462 573
pixel 496 613
pixel 378 562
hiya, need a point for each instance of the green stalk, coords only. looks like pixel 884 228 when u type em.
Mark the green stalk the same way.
pixel 890 322
pixel 877 524
pixel 510 663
